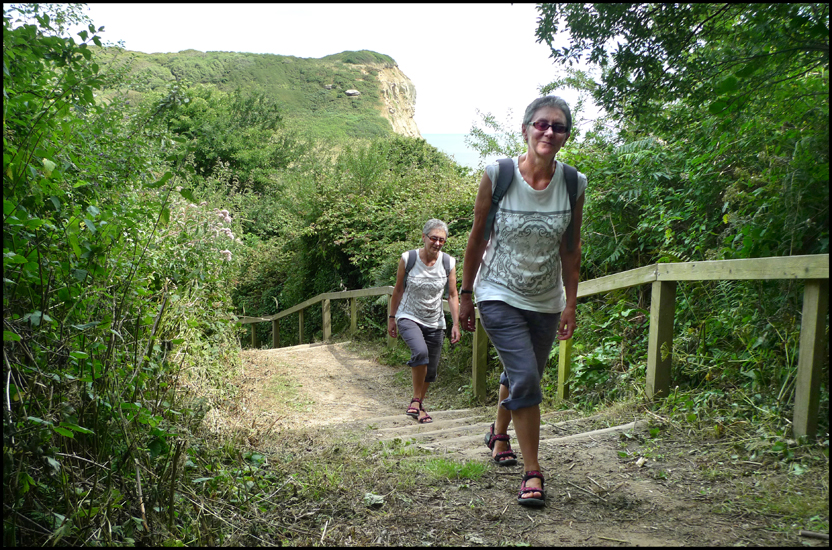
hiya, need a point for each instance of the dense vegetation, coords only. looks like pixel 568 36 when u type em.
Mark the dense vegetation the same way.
pixel 148 201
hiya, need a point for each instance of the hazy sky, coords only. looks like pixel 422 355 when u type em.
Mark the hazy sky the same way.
pixel 460 57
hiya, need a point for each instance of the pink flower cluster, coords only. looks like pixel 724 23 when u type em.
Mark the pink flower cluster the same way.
pixel 226 255
pixel 224 216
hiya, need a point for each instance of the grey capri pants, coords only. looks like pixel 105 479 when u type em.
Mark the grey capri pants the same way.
pixel 523 340
pixel 425 345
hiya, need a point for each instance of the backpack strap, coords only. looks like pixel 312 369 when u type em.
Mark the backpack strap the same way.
pixel 446 263
pixel 504 179
pixel 571 175
pixel 411 261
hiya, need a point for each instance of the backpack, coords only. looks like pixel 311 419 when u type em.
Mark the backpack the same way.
pixel 504 179
pixel 411 261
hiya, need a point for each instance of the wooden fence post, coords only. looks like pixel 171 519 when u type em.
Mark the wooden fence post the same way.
pixel 255 340
pixel 662 313
pixel 300 326
pixel 353 315
pixel 810 356
pixel 275 333
pixel 390 341
pixel 479 361
pixel 327 320
pixel 564 368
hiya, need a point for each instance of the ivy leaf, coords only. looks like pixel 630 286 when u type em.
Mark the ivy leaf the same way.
pixel 10 336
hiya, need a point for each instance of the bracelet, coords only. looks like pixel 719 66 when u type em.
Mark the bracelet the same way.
pixel 466 291
pixel 391 316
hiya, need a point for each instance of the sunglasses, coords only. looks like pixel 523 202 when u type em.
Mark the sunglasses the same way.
pixel 437 240
pixel 543 126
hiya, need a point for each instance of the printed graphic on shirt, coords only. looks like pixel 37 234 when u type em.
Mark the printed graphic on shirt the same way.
pixel 423 297
pixel 526 256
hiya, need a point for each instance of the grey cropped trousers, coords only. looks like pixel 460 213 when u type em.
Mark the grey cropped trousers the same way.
pixel 523 340
pixel 425 345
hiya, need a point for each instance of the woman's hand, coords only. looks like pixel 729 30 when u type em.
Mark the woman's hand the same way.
pixel 391 327
pixel 455 335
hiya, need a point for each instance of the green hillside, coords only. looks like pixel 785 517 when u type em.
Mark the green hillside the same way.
pixel 298 84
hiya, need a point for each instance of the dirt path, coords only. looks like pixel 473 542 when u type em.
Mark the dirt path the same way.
pixel 316 385
pixel 608 482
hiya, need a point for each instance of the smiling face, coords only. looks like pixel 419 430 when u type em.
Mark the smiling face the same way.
pixel 435 239
pixel 545 143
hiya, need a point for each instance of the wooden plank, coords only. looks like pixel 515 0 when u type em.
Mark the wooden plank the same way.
pixel 625 279
pixel 360 293
pixel 784 267
pixel 660 341
pixel 248 320
pixel 376 291
pixel 255 340
pixel 479 362
pixel 300 327
pixel 275 333
pixel 298 307
pixel 564 368
pixel 327 320
pixel 353 315
pixel 812 343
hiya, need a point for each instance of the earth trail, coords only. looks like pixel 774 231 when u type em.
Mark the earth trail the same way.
pixel 600 492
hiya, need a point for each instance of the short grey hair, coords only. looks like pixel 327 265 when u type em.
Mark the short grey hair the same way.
pixel 433 224
pixel 548 101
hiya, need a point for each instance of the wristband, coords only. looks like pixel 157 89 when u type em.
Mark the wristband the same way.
pixel 466 291
pixel 391 316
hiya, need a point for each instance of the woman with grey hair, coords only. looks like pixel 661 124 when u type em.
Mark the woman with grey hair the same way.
pixel 525 275
pixel 416 309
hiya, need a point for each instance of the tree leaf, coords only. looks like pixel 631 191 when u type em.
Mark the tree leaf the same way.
pixel 718 107
pixel 63 431
pixel 188 194
pixel 159 183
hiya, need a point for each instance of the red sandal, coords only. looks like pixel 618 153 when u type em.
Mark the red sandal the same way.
pixel 414 411
pixel 425 419
pixel 505 458
pixel 525 490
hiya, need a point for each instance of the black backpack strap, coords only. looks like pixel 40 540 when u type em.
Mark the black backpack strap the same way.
pixel 411 261
pixel 571 175
pixel 504 179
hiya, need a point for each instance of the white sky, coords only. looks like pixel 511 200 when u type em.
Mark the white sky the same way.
pixel 460 57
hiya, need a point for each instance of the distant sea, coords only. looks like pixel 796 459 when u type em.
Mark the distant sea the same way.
pixel 454 145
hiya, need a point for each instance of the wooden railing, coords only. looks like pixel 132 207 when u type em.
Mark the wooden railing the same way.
pixel 663 278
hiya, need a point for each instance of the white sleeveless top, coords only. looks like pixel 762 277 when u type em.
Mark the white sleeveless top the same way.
pixel 521 265
pixel 422 298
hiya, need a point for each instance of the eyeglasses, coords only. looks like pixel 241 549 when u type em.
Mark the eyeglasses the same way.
pixel 543 126
pixel 437 240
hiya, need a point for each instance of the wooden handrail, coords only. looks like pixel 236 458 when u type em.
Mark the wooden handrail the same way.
pixel 663 278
